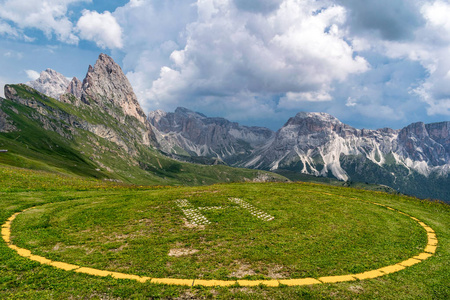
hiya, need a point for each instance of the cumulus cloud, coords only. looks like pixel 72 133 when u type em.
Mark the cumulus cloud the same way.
pixel 32 74
pixel 152 31
pixel 6 29
pixel 430 48
pixel 50 16
pixel 297 50
pixel 101 28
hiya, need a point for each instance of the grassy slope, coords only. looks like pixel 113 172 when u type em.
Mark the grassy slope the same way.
pixel 73 151
pixel 24 279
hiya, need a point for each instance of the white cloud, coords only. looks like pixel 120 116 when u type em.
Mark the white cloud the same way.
pixel 437 14
pixel 50 16
pixel 294 50
pixel 2 87
pixel 6 29
pixel 351 102
pixel 32 74
pixel 430 47
pixel 102 29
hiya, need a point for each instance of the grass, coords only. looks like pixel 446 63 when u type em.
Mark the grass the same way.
pixel 45 141
pixel 318 230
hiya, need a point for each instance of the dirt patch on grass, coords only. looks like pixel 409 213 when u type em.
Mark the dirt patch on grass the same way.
pixel 242 271
pixel 356 289
pixel 276 272
pixel 182 252
pixel 119 249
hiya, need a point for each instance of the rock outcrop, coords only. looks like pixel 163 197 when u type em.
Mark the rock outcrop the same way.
pixel 50 83
pixel 316 144
pixel 75 88
pixel 107 86
pixel 197 135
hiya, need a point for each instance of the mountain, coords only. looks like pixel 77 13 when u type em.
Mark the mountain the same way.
pixel 414 160
pixel 97 129
pixel 50 83
pixel 189 133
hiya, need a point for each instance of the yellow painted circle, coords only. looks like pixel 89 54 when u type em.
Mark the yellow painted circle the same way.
pixel 429 250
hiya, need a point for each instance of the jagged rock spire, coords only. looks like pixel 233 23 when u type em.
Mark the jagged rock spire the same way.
pixel 106 85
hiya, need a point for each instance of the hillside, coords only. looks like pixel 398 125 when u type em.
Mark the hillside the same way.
pixel 315 232
pixel 99 131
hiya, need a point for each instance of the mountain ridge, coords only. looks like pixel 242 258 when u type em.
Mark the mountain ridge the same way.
pixel 411 159
pixel 102 134
pixel 321 145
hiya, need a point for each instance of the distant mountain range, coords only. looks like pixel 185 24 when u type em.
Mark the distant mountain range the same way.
pixel 414 160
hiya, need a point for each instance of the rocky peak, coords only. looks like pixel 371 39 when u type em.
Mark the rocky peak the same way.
pixel 50 83
pixel 188 112
pixel 416 130
pixel 107 86
pixel 440 132
pixel 74 88
pixel 306 123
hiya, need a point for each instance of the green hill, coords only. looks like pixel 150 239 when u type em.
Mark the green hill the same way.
pixel 276 232
pixel 46 134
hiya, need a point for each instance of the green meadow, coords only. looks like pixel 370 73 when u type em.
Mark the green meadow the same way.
pixel 276 231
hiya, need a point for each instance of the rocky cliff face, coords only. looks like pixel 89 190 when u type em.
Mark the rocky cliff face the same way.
pixel 105 97
pixel 50 83
pixel 191 133
pixel 75 88
pixel 316 144
pixel 107 86
pixel 6 124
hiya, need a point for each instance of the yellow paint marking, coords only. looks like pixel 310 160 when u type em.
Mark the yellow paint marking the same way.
pixel 126 276
pixel 368 274
pixel 13 217
pixel 423 256
pixel 430 249
pixel 188 282
pixel 334 279
pixel 14 247
pixel 432 242
pixel 403 213
pixel 410 262
pixel 428 252
pixel 301 281
pixel 258 282
pixel 432 235
pixel 64 266
pixel 92 271
pixel 6 231
pixel 428 229
pixel 40 259
pixel 204 282
pixel 24 252
pixel 391 269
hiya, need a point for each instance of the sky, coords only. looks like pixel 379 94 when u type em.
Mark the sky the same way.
pixel 371 64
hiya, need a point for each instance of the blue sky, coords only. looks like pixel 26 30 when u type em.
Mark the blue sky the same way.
pixel 372 64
